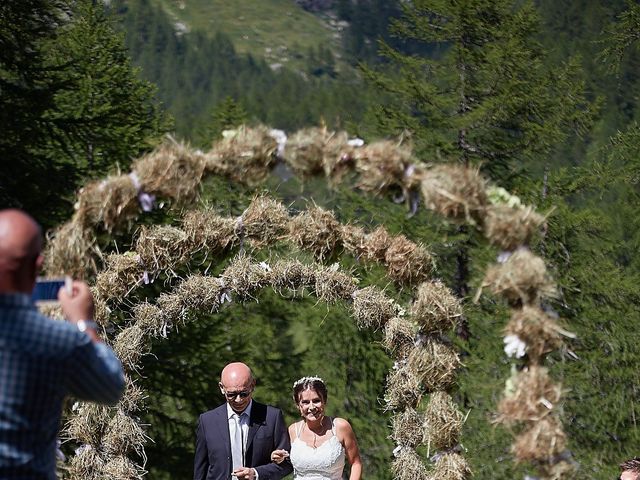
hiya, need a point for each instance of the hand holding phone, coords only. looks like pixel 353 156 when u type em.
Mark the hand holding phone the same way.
pixel 46 289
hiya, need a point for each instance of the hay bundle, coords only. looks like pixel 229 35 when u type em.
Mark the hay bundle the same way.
pixel 456 192
pixel 209 231
pixel 333 285
pixel 399 336
pixel 87 424
pixel 305 150
pixel 402 389
pixel 171 171
pixel 122 435
pixel 51 310
pixel 442 422
pixel 200 293
pixel 407 428
pixel 435 308
pixel 372 308
pixel 540 442
pixel 162 248
pixel 408 466
pixel 108 203
pixel 523 278
pixel 532 398
pixel 353 239
pixel 536 329
pixel 338 157
pixel 451 466
pixel 508 228
pixel 243 277
pixel 101 310
pixel 121 274
pixel 408 263
pixel 246 155
pixel 133 396
pixel 121 468
pixel 129 345
pixel 86 464
pixel 377 243
pixel 434 364
pixel 70 251
pixel 292 275
pixel 560 470
pixel 265 221
pixel 173 310
pixel 149 318
pixel 316 230
pixel 382 165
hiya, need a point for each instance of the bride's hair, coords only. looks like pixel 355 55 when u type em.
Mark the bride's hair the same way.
pixel 313 383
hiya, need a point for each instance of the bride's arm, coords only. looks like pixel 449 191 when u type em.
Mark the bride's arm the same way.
pixel 347 437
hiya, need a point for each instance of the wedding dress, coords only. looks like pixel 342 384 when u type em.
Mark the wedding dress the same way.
pixel 325 462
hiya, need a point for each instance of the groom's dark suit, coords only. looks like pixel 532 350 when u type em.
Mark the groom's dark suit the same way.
pixel 267 432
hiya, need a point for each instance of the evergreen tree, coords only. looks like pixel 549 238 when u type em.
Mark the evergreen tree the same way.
pixel 228 114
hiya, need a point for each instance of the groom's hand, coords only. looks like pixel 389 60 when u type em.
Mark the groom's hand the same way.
pixel 245 473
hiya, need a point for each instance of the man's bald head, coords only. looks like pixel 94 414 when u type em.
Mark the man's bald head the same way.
pixel 236 372
pixel 237 384
pixel 20 246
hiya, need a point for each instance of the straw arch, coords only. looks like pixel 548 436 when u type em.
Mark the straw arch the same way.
pixel 461 194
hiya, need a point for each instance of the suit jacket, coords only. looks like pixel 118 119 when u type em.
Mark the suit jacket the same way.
pixel 267 432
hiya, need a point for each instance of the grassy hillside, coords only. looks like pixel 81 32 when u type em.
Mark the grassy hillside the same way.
pixel 278 30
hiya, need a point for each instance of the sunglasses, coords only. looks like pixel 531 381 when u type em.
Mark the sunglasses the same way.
pixel 232 395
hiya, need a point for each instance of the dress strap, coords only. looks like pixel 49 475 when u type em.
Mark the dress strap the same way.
pixel 333 426
pixel 299 427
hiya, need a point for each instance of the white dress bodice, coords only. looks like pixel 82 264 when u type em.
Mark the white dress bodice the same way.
pixel 325 462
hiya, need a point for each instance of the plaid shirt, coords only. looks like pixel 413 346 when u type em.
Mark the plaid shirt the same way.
pixel 42 361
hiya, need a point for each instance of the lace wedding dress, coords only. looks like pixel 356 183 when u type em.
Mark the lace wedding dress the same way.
pixel 325 462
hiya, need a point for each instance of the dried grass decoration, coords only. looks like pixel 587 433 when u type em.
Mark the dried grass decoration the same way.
pixel 399 336
pixel 133 396
pixel 305 150
pixel 435 308
pixel 123 434
pixel 338 158
pixel 243 277
pixel 150 319
pixel 108 203
pixel 537 330
pixel 121 274
pixel 246 155
pixel 455 192
pixel 208 231
pixel 541 441
pixel 434 364
pixel 171 171
pixel 509 227
pixel 70 251
pixel 332 285
pixel 407 465
pixel 316 230
pixel 292 275
pixel 129 345
pixel 372 308
pixel 201 293
pixel 86 464
pixel 121 468
pixel 408 263
pixel 88 423
pixel 382 165
pixel 451 466
pixel 403 388
pixel 442 422
pixel 407 428
pixel 265 221
pixel 377 244
pixel 354 240
pixel 162 248
pixel 530 396
pixel 522 279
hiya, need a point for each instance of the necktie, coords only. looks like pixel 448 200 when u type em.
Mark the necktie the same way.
pixel 237 444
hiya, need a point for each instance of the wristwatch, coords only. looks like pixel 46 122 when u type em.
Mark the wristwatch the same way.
pixel 83 325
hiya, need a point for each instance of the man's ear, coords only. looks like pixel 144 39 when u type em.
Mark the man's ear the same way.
pixel 39 263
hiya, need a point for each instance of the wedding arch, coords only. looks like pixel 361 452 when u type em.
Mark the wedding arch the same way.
pixel 412 333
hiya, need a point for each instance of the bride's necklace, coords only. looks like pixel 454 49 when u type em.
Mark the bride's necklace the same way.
pixel 315 435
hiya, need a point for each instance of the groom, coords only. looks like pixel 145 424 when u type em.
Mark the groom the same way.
pixel 236 439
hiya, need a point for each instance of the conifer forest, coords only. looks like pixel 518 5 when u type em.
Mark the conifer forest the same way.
pixel 431 204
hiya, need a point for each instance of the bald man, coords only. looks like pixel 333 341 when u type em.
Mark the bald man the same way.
pixel 236 439
pixel 43 360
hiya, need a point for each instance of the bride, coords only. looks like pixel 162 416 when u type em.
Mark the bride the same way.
pixel 319 444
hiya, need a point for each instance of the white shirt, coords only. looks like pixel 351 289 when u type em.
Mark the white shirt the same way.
pixel 244 425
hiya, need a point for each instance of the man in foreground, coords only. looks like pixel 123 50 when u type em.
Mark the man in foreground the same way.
pixel 43 360
pixel 236 439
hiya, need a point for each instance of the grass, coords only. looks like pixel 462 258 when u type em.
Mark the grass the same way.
pixel 277 30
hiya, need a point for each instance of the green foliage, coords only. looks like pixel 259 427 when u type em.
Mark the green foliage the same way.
pixel 228 114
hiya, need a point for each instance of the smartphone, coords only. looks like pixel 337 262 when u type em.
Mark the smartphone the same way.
pixel 46 289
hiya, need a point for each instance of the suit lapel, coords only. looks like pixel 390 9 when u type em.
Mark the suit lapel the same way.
pixel 223 430
pixel 256 420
